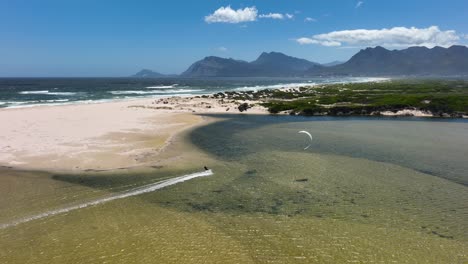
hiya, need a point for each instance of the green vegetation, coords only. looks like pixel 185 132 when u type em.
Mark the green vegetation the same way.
pixel 441 98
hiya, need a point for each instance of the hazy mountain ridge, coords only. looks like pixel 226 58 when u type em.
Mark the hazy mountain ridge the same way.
pixel 273 64
pixel 146 73
pixel 333 63
pixel 378 61
pixel 417 61
pixel 215 66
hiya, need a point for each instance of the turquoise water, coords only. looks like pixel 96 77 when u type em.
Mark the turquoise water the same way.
pixel 398 173
pixel 434 146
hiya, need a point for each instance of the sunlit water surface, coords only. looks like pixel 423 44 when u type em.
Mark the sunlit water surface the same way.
pixel 366 191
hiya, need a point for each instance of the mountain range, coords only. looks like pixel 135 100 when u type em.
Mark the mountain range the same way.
pixel 273 64
pixel 145 73
pixel 413 61
pixel 378 61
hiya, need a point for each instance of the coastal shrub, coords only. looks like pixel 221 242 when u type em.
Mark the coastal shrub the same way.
pixel 439 97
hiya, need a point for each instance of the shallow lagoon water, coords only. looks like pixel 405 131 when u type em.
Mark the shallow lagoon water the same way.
pixel 433 146
pixel 367 190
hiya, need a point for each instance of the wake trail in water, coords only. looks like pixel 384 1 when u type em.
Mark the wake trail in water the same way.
pixel 133 192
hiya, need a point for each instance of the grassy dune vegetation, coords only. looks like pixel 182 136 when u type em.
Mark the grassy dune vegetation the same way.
pixel 444 98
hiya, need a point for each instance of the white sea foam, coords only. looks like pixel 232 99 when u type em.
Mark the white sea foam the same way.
pixel 58 100
pixel 25 104
pixel 137 191
pixel 273 86
pixel 131 92
pixel 10 103
pixel 46 92
pixel 34 92
pixel 172 91
pixel 309 83
pixel 180 91
pixel 62 93
pixel 162 86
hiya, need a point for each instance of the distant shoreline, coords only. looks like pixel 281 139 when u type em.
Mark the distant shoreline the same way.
pixel 22 93
pixel 132 132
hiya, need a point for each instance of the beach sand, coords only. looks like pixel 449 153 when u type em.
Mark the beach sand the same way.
pixel 100 136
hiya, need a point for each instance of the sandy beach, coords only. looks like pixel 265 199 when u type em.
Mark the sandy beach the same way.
pixel 100 136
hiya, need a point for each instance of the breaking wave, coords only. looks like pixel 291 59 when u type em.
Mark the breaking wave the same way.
pixel 162 86
pixel 172 91
pixel 46 92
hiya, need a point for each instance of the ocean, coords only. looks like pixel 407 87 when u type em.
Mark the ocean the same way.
pixel 26 92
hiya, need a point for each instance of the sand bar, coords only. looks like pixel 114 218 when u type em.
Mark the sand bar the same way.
pixel 100 136
pixel 87 136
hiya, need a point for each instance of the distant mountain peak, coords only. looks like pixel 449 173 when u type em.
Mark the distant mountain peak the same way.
pixel 276 55
pixel 268 64
pixel 272 53
pixel 416 61
pixel 146 73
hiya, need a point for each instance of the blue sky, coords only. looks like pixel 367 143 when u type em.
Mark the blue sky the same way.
pixel 117 38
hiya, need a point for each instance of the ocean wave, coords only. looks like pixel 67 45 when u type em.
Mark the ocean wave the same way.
pixel 356 80
pixel 54 101
pixel 162 86
pixel 34 92
pixel 62 93
pixel 25 104
pixel 46 92
pixel 273 86
pixel 18 102
pixel 310 83
pixel 139 92
pixel 180 91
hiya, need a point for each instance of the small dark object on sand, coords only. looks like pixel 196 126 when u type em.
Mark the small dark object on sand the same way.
pixel 302 180
pixel 206 168
pixel 251 172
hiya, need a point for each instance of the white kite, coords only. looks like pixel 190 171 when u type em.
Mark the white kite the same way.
pixel 307 133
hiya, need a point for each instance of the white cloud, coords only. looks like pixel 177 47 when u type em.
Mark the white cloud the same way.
pixel 248 14
pixel 276 16
pixel 393 37
pixel 229 15
pixel 310 19
pixel 359 4
pixel 304 41
pixel 272 15
pixel 222 49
